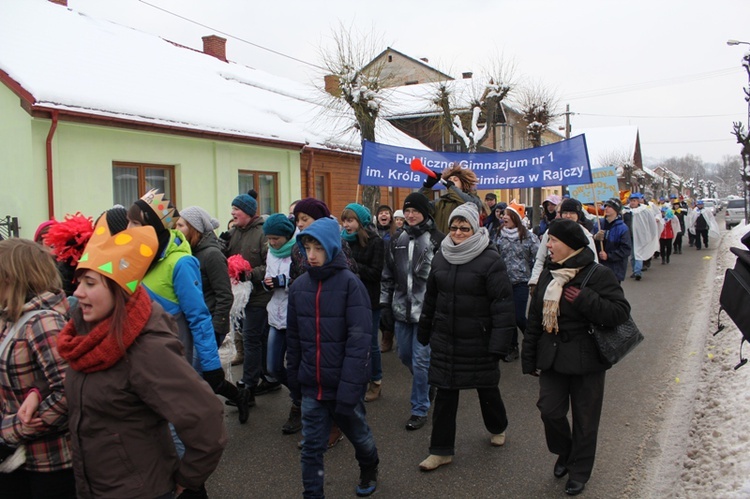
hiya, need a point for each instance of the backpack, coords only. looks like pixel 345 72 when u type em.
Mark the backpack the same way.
pixel 735 295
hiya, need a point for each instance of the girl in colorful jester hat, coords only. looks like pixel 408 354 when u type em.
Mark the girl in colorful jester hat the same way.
pixel 174 281
pixel 369 253
pixel 128 377
pixel 30 284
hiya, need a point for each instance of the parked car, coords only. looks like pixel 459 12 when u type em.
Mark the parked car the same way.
pixel 735 213
pixel 710 204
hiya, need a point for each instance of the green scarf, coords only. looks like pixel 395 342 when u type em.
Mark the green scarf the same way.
pixel 348 237
pixel 284 251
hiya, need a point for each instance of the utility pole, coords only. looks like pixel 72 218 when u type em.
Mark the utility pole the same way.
pixel 567 114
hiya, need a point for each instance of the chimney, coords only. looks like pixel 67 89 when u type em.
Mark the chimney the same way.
pixel 215 46
pixel 64 3
pixel 424 59
pixel 332 85
pixel 467 75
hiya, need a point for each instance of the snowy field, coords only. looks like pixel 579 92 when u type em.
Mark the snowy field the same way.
pixel 713 457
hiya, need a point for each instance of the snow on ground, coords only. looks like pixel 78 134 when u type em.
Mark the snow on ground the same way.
pixel 716 462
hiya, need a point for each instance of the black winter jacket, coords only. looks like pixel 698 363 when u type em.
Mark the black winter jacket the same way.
pixel 572 350
pixel 369 264
pixel 468 318
pixel 217 289
pixel 404 279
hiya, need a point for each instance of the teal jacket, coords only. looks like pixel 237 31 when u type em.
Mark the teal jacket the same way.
pixel 175 283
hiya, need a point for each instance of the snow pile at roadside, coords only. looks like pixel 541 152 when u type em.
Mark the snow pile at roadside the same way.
pixel 717 461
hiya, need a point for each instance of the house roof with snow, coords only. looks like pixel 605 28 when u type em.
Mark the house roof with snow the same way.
pixel 606 144
pixel 60 60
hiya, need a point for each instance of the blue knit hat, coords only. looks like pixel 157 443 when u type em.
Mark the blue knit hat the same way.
pixel 278 224
pixel 362 213
pixel 246 203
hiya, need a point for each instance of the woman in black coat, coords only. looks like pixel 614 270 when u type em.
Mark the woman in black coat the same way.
pixel 558 348
pixel 468 320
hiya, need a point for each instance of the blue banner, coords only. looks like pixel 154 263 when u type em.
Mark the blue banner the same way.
pixel 561 163
pixel 604 186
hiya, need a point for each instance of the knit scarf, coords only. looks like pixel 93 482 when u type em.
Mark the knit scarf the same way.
pixel 553 293
pixel 458 254
pixel 350 238
pixel 285 250
pixel 511 234
pixel 98 350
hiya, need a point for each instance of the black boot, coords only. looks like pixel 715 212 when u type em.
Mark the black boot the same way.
pixel 243 403
pixel 294 422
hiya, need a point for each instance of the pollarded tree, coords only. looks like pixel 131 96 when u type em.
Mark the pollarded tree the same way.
pixel 358 91
pixel 540 107
pixel 469 118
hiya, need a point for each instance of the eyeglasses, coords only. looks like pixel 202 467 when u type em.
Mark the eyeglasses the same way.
pixel 465 230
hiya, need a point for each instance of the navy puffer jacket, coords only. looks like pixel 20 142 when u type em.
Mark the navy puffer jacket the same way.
pixel 329 332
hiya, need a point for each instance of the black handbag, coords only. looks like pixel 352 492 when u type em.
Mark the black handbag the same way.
pixel 614 343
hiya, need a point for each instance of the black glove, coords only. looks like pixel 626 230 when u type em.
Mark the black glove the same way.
pixel 430 182
pixel 225 236
pixel 214 378
pixel 446 183
pixel 279 281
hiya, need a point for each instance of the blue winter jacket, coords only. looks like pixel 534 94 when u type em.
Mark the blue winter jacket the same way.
pixel 175 283
pixel 617 245
pixel 329 328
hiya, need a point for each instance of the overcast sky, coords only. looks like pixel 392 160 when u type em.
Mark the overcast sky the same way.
pixel 662 65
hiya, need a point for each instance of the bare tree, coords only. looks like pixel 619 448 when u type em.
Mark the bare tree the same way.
pixel 470 118
pixel 540 107
pixel 359 87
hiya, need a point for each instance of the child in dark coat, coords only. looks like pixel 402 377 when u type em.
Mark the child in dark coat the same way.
pixel 329 332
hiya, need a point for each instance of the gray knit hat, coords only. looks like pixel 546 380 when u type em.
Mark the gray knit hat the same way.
pixel 468 211
pixel 199 219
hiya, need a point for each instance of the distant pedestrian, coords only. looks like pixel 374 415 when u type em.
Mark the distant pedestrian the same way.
pixel 614 239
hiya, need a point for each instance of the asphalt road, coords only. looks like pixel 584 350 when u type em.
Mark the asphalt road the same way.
pixel 260 461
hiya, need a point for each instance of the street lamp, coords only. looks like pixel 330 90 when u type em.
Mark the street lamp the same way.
pixel 746 65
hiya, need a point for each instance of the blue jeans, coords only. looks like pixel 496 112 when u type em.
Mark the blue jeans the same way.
pixel 252 340
pixel 520 298
pixel 636 264
pixel 377 360
pixel 276 354
pixel 317 416
pixel 416 357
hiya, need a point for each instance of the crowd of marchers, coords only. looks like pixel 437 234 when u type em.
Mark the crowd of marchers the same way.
pixel 111 329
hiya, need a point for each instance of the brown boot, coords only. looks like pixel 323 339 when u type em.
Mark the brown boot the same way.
pixel 386 342
pixel 373 391
pixel 239 358
pixel 335 436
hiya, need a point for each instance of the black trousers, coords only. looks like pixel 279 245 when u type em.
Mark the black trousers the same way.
pixel 701 234
pixel 665 249
pixel 443 439
pixel 584 394
pixel 677 244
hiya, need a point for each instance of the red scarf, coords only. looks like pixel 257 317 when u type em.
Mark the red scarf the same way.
pixel 98 350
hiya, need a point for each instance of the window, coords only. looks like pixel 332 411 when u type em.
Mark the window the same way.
pixel 130 181
pixel 266 184
pixel 323 187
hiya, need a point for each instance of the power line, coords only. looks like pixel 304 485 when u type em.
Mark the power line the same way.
pixel 657 117
pixel 687 141
pixel 276 52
